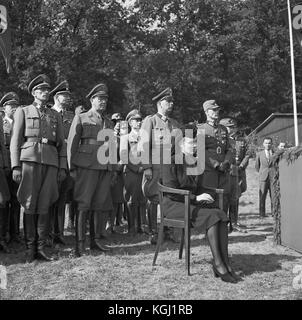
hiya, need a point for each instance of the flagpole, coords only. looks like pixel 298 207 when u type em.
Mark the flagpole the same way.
pixel 293 73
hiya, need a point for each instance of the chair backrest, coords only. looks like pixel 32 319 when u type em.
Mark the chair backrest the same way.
pixel 163 189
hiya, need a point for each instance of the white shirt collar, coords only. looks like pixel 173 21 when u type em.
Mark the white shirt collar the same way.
pixel 162 116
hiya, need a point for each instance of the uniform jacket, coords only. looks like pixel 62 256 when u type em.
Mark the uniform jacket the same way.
pixel 217 146
pixel 155 128
pixel 30 122
pixel 3 152
pixel 241 155
pixel 67 117
pixel 8 130
pixel 262 165
pixel 132 139
pixel 87 125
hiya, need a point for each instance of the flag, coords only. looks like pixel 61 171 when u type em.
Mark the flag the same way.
pixel 5 34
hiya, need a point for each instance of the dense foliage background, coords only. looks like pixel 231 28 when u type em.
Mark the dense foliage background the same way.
pixel 234 51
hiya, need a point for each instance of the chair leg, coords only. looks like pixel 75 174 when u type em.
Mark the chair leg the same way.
pixel 187 249
pixel 159 240
pixel 182 240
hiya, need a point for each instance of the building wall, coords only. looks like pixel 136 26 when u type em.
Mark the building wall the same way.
pixel 280 129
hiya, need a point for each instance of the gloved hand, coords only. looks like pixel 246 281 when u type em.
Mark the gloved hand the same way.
pixel 17 174
pixel 205 197
pixel 61 175
pixel 73 174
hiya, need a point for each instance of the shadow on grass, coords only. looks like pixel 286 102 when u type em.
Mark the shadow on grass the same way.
pixel 252 263
pixel 247 238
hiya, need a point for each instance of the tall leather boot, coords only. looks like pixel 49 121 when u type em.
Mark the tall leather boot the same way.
pixel 59 224
pixel 125 211
pixel 14 223
pixel 22 212
pixel 152 215
pixel 119 215
pixel 233 212
pixel 80 228
pixel 112 216
pixel 42 230
pixel 6 222
pixel 71 216
pixel 30 236
pixel 131 218
pixel 138 224
pixel 143 217
pixel 3 245
pixel 51 226
pixel 96 236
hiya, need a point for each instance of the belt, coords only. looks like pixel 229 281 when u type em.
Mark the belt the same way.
pixel 91 141
pixel 42 140
pixel 218 150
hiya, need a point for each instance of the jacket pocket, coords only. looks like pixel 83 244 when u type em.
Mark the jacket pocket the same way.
pixel 32 122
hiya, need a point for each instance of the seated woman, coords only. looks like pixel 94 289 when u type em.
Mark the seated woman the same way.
pixel 205 215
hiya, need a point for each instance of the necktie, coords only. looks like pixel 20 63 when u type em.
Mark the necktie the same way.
pixel 268 154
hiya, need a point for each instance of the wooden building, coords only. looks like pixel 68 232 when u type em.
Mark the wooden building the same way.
pixel 278 126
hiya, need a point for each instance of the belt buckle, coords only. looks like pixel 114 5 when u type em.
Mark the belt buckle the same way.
pixel 218 150
pixel 44 140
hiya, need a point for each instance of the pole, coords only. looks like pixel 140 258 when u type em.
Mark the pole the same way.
pixel 293 73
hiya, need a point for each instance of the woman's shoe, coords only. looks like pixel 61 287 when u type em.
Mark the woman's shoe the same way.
pixel 226 277
pixel 234 275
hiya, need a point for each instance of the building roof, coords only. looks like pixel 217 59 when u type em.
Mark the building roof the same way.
pixel 271 118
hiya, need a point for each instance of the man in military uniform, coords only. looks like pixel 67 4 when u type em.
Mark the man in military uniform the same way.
pixel 156 128
pixel 133 175
pixel 239 163
pixel 72 207
pixel 93 177
pixel 38 163
pixel 62 102
pixel 4 190
pixel 118 188
pixel 218 152
pixel 10 102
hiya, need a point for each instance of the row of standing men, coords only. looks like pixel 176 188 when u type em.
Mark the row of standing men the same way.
pixel 52 159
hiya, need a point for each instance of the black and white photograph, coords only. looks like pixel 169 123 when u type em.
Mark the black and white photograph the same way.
pixel 150 153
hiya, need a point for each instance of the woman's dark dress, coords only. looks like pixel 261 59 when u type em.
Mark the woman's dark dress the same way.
pixel 203 215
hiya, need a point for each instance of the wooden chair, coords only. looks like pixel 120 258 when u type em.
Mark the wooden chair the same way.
pixel 184 223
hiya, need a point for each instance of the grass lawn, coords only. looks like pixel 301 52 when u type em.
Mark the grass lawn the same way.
pixel 127 272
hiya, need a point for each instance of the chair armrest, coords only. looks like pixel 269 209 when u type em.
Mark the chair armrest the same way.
pixel 218 191
pixel 162 188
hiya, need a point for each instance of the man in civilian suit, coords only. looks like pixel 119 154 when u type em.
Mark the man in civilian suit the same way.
pixel 263 159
